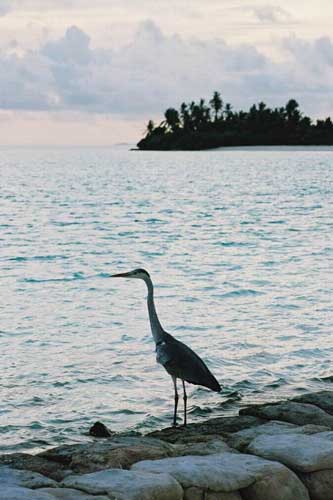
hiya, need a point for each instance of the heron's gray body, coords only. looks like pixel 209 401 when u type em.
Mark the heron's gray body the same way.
pixel 177 358
pixel 183 363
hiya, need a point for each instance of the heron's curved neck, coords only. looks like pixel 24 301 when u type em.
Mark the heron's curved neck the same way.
pixel 156 327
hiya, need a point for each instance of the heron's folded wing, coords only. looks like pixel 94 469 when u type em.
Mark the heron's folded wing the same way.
pixel 180 361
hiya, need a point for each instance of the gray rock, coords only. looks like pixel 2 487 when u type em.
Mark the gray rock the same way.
pixel 100 430
pixel 34 463
pixel 319 484
pixel 211 495
pixel 213 427
pixel 208 447
pixel 322 399
pixel 24 478
pixel 240 440
pixel 199 494
pixel 289 411
pixel 193 493
pixel 18 493
pixel 117 452
pixel 127 485
pixel 299 452
pixel 222 472
pixel 328 435
pixel 71 494
pixel 227 472
pixel 282 485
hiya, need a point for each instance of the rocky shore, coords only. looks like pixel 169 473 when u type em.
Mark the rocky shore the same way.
pixel 280 451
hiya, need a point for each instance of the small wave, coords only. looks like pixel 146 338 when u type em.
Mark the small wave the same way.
pixel 233 244
pixel 74 277
pixel 38 257
pixel 239 293
pixel 199 411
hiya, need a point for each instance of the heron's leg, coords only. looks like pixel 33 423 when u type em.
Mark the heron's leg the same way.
pixel 174 379
pixel 185 403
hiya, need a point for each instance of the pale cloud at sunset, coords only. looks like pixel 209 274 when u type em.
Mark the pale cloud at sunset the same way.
pixel 76 73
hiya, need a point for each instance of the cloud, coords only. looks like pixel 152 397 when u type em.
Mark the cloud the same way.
pixel 155 71
pixel 5 7
pixel 270 13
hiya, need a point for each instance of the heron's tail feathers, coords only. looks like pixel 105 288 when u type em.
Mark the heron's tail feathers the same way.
pixel 214 385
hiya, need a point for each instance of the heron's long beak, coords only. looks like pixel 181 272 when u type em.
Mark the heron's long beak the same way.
pixel 120 275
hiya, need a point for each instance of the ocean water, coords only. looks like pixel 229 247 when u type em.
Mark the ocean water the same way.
pixel 239 247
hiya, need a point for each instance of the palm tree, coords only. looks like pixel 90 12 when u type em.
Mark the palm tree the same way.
pixel 185 116
pixel 293 113
pixel 150 127
pixel 228 110
pixel 217 104
pixel 172 119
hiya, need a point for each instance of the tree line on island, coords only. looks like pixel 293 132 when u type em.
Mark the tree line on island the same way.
pixel 200 126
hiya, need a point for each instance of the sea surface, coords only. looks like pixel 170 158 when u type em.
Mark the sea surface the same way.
pixel 239 247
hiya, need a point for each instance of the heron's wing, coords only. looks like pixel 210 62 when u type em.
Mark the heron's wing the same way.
pixel 181 362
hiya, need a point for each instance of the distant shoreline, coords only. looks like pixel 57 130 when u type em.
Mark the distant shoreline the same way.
pixel 274 148
pixel 243 148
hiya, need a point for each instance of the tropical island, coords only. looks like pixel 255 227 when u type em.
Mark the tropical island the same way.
pixel 204 126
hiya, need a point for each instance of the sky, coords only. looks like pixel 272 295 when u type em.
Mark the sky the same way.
pixel 82 72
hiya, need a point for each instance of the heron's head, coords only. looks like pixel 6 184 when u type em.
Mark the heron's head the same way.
pixel 136 273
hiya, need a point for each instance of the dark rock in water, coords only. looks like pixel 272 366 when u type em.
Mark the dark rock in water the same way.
pixel 100 430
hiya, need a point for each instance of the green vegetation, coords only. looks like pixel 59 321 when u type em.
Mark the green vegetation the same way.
pixel 201 126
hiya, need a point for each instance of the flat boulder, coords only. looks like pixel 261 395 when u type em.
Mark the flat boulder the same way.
pixel 229 473
pixel 118 452
pixel 319 484
pixel 34 463
pixel 322 399
pixel 71 494
pixel 19 493
pixel 214 427
pixel 127 485
pixel 301 453
pixel 283 484
pixel 241 439
pixel 290 411
pixel 205 447
pixel 24 478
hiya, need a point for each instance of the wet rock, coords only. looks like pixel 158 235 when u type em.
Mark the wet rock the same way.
pixel 100 430
pixel 289 411
pixel 322 399
pixel 71 494
pixel 23 461
pixel 127 485
pixel 212 495
pixel 204 447
pixel 299 452
pixel 193 493
pixel 282 485
pixel 229 472
pixel 222 472
pixel 18 493
pixel 240 440
pixel 214 427
pixel 319 484
pixel 118 452
pixel 24 478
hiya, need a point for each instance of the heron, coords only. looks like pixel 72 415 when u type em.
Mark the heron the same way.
pixel 176 357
